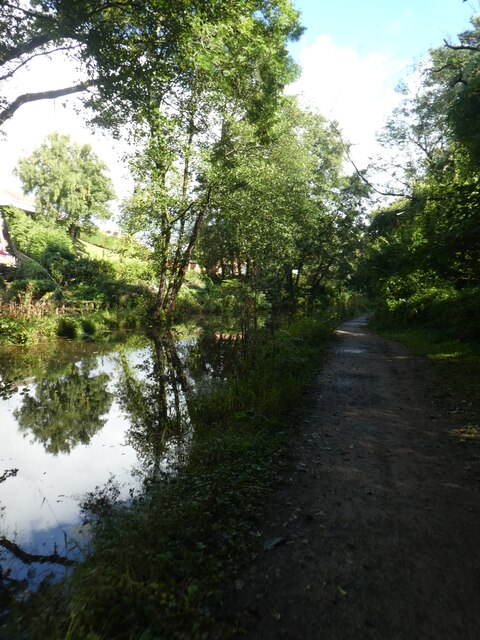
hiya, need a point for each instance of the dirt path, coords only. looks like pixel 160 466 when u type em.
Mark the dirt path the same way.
pixel 375 531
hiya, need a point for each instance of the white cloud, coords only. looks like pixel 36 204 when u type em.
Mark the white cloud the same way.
pixel 358 92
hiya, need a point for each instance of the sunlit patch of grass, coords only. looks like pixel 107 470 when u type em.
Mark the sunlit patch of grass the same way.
pixel 446 356
pixel 469 431
pixel 98 253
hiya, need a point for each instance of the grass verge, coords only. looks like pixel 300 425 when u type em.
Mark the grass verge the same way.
pixel 156 567
pixel 457 361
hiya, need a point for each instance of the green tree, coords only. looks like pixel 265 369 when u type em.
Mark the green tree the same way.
pixel 457 71
pixel 69 183
pixel 179 169
pixel 172 72
pixel 423 250
pixel 132 53
pixel 285 217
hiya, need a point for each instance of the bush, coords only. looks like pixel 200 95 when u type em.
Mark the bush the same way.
pixel 89 326
pixel 25 330
pixel 69 327
pixel 56 258
pixel 89 272
pixel 31 277
pixel 36 237
pixel 20 225
pixel 187 302
pixel 232 298
pixel 29 270
pixel 35 288
pixel 422 299
pixel 133 270
pixel 14 331
pixel 47 244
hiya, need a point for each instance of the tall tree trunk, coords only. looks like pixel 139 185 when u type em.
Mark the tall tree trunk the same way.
pixel 185 187
pixel 162 290
pixel 181 268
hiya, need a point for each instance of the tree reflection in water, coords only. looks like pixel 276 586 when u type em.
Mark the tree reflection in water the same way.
pixel 214 356
pixel 154 396
pixel 11 587
pixel 66 411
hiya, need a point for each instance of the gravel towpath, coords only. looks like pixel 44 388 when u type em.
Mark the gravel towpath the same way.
pixel 374 531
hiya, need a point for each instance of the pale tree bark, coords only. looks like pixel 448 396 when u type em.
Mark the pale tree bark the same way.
pixel 178 276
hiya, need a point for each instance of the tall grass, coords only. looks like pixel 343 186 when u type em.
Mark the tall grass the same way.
pixel 28 311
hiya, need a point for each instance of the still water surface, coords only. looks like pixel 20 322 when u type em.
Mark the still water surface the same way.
pixel 75 417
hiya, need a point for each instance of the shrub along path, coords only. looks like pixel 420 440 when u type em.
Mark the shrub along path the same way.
pixel 374 531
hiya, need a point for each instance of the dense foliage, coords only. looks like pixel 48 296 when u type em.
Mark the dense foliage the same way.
pixel 53 263
pixel 277 213
pixel 134 54
pixel 286 218
pixel 423 251
pixel 234 177
pixel 220 157
pixel 237 66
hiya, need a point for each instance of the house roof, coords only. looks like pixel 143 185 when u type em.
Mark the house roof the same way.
pixel 18 200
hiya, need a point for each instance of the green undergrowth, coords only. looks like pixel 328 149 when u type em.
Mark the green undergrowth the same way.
pixel 457 361
pixel 26 331
pixel 31 331
pixel 157 567
pixel 94 324
pixel 445 312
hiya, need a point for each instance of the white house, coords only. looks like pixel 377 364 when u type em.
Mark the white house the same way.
pixel 18 200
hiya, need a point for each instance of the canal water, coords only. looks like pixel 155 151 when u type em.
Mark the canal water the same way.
pixel 79 419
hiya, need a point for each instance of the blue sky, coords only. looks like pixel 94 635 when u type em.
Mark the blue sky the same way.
pixel 403 29
pixel 354 53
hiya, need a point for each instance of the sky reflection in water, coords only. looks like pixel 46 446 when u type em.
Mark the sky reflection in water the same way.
pixel 40 505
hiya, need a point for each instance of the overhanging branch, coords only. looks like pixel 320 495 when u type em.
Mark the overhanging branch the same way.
pixel 29 558
pixel 25 98
pixel 49 52
pixel 28 47
pixel 462 47
pixel 26 12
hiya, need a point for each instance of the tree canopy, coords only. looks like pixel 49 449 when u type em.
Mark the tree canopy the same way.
pixel 235 68
pixel 170 76
pixel 69 182
pixel 133 55
pixel 286 215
